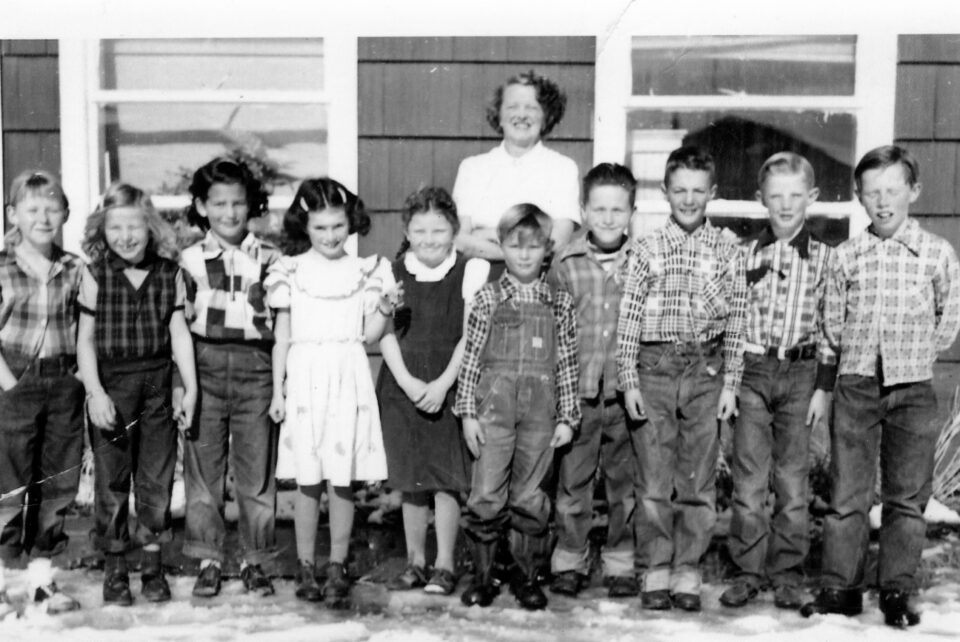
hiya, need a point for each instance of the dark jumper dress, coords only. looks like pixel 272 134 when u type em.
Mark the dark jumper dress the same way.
pixel 425 452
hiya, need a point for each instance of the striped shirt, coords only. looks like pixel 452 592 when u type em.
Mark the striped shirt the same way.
pixel 478 330
pixel 38 315
pixel 225 289
pixel 683 287
pixel 892 304
pixel 786 280
pixel 595 281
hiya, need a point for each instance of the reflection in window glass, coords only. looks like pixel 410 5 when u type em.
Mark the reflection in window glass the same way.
pixel 157 146
pixel 740 141
pixel 294 64
pixel 756 65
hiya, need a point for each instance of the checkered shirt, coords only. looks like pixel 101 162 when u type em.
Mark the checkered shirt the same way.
pixel 786 282
pixel 596 296
pixel 225 293
pixel 683 287
pixel 38 318
pixel 895 299
pixel 478 331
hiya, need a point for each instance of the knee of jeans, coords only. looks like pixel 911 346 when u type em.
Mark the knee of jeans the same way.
pixel 486 507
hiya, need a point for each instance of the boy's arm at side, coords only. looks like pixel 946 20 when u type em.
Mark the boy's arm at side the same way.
pixel 568 365
pixel 735 281
pixel 832 316
pixel 477 331
pixel 630 320
pixel 181 344
pixel 946 285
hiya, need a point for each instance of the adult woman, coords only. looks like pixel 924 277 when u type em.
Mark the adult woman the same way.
pixel 520 170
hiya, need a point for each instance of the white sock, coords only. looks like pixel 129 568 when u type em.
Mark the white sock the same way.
pixel 40 572
pixel 3 577
pixel 205 563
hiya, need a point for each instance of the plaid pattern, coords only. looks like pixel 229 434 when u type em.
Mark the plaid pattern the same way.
pixel 225 293
pixel 478 330
pixel 38 318
pixel 896 299
pixel 786 283
pixel 683 287
pixel 596 295
pixel 134 324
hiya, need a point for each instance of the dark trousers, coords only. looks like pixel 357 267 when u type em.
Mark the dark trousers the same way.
pixel 142 449
pixel 236 387
pixel 771 435
pixel 41 447
pixel 898 424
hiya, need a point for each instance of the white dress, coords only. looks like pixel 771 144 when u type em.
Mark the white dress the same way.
pixel 332 427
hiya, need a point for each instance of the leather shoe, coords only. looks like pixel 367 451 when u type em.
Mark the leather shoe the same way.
pixel 787 596
pixel 306 581
pixel 830 600
pixel 656 600
pixel 256 581
pixel 116 581
pixel 479 593
pixel 622 586
pixel 568 583
pixel 529 594
pixel 898 609
pixel 208 582
pixel 687 601
pixel 739 594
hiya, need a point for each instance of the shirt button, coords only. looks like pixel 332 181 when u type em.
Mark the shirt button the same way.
pixel 606 306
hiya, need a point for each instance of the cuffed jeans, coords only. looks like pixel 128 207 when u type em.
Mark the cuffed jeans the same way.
pixel 236 387
pixel 898 422
pixel 678 462
pixel 771 433
pixel 607 440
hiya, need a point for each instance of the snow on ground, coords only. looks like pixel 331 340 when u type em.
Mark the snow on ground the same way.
pixel 381 616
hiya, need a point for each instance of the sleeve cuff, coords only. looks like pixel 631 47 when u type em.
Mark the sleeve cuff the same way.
pixel 826 377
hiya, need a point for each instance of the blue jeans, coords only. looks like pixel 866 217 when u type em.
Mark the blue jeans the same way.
pixel 771 433
pixel 678 462
pixel 143 449
pixel 236 386
pixel 41 447
pixel 607 440
pixel 898 423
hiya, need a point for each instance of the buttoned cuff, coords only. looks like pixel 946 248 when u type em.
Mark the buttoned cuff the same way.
pixel 826 376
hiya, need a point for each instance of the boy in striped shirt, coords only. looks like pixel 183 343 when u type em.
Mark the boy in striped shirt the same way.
pixel 788 372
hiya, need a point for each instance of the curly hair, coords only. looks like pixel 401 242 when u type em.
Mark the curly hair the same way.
pixel 163 240
pixel 552 101
pixel 427 199
pixel 316 195
pixel 229 172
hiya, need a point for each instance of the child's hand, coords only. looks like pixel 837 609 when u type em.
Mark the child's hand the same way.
pixel 391 299
pixel 727 406
pixel 8 382
pixel 819 409
pixel 414 389
pixel 184 414
pixel 633 401
pixel 102 412
pixel 434 394
pixel 562 435
pixel 277 407
pixel 474 436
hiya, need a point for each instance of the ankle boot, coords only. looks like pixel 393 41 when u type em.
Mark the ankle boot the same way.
pixel 154 584
pixel 482 590
pixel 530 553
pixel 116 580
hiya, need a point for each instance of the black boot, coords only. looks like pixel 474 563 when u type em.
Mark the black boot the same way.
pixel 482 590
pixel 530 553
pixel 847 602
pixel 116 580
pixel 154 584
pixel 898 609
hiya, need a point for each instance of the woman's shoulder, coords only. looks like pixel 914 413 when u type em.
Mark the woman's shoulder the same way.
pixel 554 157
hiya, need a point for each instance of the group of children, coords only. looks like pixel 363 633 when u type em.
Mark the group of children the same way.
pixel 622 356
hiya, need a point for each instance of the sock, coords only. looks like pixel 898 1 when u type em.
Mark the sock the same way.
pixel 40 572
pixel 205 563
pixel 244 564
pixel 3 577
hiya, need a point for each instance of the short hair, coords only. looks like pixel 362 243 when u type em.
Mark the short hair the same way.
pixel 552 101
pixel 33 182
pixel 163 239
pixel 786 163
pixel 229 172
pixel 316 195
pixel 886 156
pixel 427 199
pixel 690 157
pixel 526 217
pixel 609 174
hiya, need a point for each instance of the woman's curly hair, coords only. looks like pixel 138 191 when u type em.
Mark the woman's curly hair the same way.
pixel 552 101
pixel 163 240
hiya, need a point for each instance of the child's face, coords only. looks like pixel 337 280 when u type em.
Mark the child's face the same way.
pixel 328 230
pixel 607 214
pixel 786 197
pixel 430 236
pixel 524 257
pixel 226 209
pixel 688 191
pixel 127 234
pixel 521 116
pixel 887 196
pixel 39 219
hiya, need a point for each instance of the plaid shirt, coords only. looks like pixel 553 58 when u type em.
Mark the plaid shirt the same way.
pixel 683 287
pixel 38 317
pixel 897 299
pixel 786 282
pixel 225 289
pixel 596 295
pixel 478 330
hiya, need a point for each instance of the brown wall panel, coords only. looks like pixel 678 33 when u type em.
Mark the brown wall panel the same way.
pixel 916 87
pixel 929 48
pixel 411 167
pixel 938 168
pixel 30 150
pixel 371 108
pixel 28 47
pixel 421 99
pixel 31 93
pixel 946 115
pixel 485 49
pixel 385 236
pixel 374 172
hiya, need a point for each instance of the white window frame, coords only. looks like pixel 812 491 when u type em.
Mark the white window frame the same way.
pixel 81 97
pixel 872 104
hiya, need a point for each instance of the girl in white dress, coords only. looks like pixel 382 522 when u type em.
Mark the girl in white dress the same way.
pixel 328 304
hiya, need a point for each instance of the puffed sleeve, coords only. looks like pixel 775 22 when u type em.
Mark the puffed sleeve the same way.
pixel 277 283
pixel 379 279
pixel 87 296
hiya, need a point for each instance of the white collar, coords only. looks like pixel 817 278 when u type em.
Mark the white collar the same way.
pixel 533 152
pixel 425 274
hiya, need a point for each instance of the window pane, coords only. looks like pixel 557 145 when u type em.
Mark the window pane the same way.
pixel 740 141
pixel 758 65
pixel 157 147
pixel 207 64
